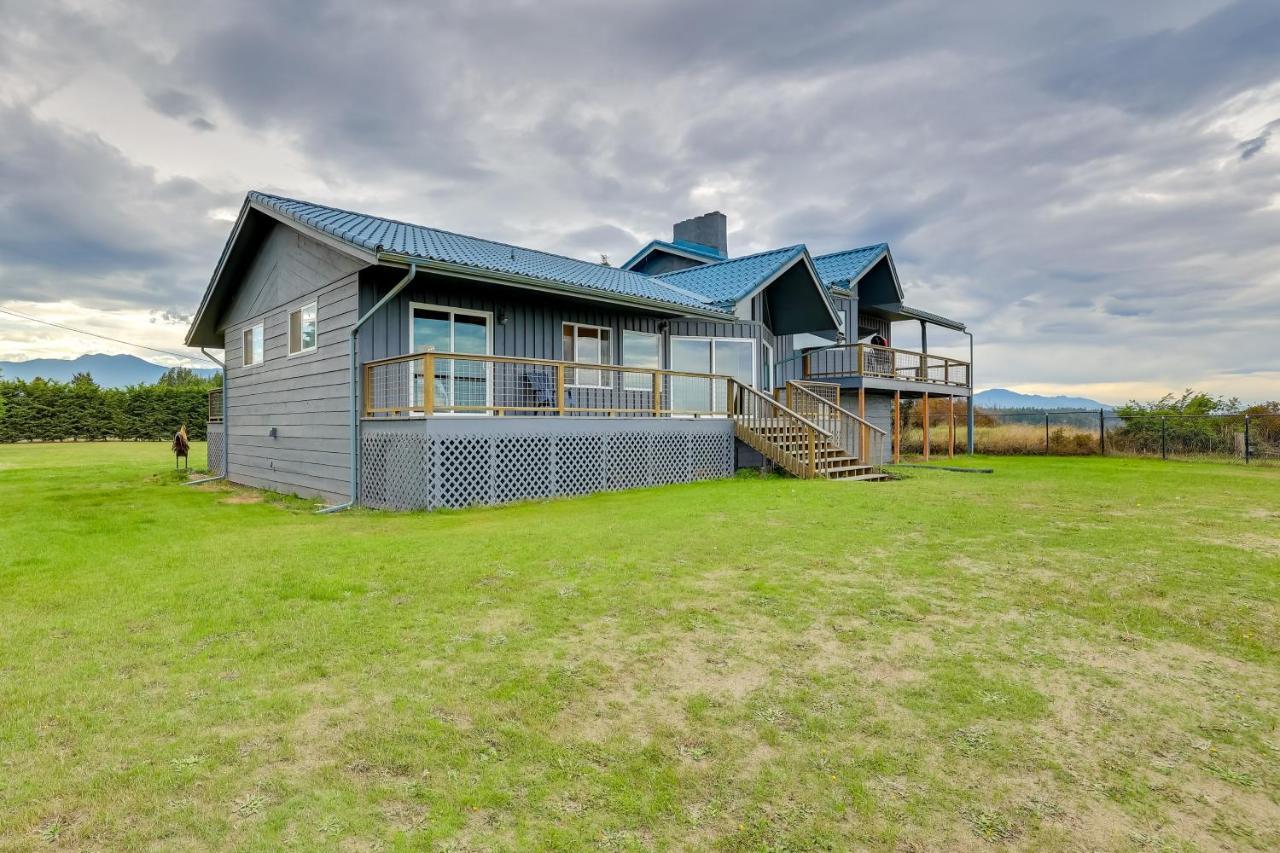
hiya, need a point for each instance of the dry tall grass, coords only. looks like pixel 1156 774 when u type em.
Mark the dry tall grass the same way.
pixel 1005 439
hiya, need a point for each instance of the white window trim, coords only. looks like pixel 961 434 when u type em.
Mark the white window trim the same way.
pixel 590 365
pixel 258 325
pixel 288 329
pixel 622 359
pixel 767 357
pixel 488 328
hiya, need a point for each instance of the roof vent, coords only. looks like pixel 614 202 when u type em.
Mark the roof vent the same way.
pixel 710 230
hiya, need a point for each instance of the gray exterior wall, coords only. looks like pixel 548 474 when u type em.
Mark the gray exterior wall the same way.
pixel 306 398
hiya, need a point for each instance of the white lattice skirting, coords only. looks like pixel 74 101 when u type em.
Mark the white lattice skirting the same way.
pixel 214 449
pixel 427 465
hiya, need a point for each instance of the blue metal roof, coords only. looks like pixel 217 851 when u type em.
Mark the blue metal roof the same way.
pixel 726 282
pixel 678 247
pixel 839 268
pixel 417 242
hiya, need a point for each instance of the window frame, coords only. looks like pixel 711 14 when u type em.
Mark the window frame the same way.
pixel 261 328
pixel 767 365
pixel 315 345
pixel 488 317
pixel 627 377
pixel 598 367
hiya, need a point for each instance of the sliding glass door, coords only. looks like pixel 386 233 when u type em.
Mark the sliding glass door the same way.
pixel 731 356
pixel 457 383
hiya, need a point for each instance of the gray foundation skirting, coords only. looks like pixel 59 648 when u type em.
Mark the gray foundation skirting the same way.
pixel 215 449
pixel 430 463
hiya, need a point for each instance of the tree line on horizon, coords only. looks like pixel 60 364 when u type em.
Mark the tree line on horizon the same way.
pixel 82 410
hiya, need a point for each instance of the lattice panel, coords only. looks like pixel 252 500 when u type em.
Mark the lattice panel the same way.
pixel 411 470
pixel 579 464
pixel 462 471
pixel 395 470
pixel 522 468
pixel 709 456
pixel 669 459
pixel 215 452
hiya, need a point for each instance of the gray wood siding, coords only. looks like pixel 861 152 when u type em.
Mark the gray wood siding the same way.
pixel 306 398
pixel 790 364
pixel 533 320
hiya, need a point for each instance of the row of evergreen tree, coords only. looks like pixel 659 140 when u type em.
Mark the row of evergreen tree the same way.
pixel 81 410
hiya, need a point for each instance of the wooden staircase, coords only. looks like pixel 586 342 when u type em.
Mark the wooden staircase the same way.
pixel 793 442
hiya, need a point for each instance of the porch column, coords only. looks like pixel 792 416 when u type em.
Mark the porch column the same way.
pixel 951 426
pixel 924 422
pixel 924 351
pixel 897 427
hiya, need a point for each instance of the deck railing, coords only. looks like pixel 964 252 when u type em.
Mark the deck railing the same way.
pixel 819 402
pixel 462 383
pixel 215 406
pixel 885 363
pixel 782 435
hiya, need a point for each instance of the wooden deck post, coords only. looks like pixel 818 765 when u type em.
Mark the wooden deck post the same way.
pixel 813 453
pixel 657 394
pixel 924 423
pixel 897 427
pixel 428 383
pixel 862 429
pixel 951 426
pixel 559 389
pixel 805 363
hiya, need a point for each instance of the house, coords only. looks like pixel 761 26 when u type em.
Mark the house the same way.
pixel 377 362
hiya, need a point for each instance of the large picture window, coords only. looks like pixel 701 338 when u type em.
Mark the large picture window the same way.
pixel 251 346
pixel 302 329
pixel 640 349
pixel 731 356
pixel 586 345
pixel 458 386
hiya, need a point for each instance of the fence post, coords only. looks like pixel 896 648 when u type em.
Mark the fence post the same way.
pixel 1164 438
pixel 1046 433
pixel 1102 433
pixel 1246 439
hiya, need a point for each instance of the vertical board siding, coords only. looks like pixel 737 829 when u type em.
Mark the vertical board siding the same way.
pixel 306 398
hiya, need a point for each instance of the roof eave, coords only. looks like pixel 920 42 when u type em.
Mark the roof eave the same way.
pixel 548 286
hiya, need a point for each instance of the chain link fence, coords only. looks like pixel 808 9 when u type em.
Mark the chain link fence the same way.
pixel 1244 438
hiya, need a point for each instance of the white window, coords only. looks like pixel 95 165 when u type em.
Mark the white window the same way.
pixel 587 345
pixel 640 349
pixel 302 329
pixel 251 346
pixel 458 386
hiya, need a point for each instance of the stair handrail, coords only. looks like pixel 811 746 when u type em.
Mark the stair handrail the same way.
pixel 824 433
pixel 837 407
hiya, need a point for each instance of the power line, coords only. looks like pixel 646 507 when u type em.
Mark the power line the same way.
pixel 103 337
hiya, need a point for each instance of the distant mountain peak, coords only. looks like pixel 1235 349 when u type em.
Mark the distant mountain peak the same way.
pixel 109 371
pixel 1003 398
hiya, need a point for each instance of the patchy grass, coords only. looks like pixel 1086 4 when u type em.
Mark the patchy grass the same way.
pixel 1068 653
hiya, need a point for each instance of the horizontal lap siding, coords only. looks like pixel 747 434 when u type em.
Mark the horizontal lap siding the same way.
pixel 306 398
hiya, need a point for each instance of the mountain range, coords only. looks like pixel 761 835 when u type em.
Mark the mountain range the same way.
pixel 1003 398
pixel 109 371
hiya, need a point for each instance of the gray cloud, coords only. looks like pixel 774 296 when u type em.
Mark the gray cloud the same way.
pixel 1067 182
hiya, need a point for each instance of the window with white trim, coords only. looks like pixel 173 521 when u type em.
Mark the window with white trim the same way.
pixel 585 344
pixel 251 346
pixel 302 329
pixel 640 349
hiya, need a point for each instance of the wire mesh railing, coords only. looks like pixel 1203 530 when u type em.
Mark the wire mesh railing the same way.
pixel 1240 437
pixel 819 402
pixel 885 363
pixel 437 383
pixel 215 405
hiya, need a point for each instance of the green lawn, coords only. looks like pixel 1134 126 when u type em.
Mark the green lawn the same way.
pixel 1067 653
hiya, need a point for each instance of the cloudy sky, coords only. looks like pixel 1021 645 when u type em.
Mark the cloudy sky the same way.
pixel 1094 188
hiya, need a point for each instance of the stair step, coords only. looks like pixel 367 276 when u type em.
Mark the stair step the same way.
pixel 870 478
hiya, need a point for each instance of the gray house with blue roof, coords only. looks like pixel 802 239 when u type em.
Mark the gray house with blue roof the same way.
pixel 393 365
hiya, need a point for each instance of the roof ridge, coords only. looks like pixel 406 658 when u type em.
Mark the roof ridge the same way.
pixel 498 243
pixel 852 251
pixel 704 267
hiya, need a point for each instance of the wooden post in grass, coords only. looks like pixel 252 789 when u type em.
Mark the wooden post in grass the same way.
pixel 924 422
pixel 862 429
pixel 897 427
pixel 951 426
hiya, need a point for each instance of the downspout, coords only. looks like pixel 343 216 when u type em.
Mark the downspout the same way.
pixel 969 405
pixel 355 389
pixel 226 454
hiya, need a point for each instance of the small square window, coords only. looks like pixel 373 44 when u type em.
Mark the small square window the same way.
pixel 302 329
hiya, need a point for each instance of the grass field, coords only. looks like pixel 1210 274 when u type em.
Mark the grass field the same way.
pixel 1071 653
